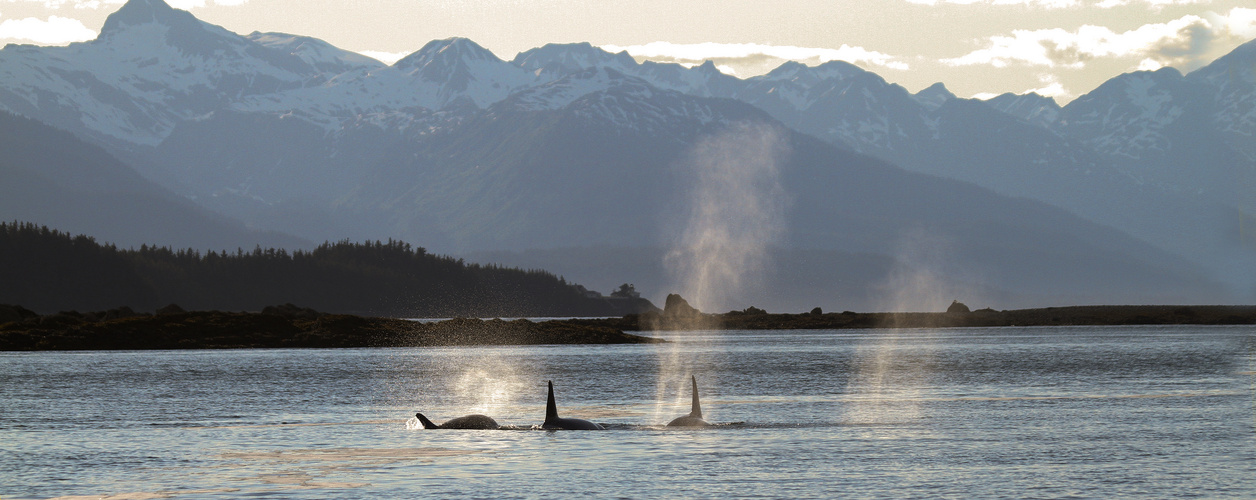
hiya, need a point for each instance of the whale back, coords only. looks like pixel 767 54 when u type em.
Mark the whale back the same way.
pixel 471 422
pixel 465 422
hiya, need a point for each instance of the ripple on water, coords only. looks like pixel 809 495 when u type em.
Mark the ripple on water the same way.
pixel 1044 412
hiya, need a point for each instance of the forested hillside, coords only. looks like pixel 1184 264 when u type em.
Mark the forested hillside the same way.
pixel 48 271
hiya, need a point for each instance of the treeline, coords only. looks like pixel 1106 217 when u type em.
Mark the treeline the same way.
pixel 48 271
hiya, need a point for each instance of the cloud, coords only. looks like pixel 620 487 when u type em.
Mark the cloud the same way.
pixel 1051 87
pixel 96 4
pixel 1063 4
pixel 1050 4
pixel 737 56
pixel 1155 4
pixel 1182 42
pixel 54 31
pixel 1240 22
pixel 192 4
pixel 78 4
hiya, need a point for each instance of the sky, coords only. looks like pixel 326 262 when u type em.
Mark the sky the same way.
pixel 978 48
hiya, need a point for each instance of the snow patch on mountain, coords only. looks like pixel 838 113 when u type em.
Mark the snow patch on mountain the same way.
pixel 1127 116
pixel 151 67
pixel 444 74
pixel 1234 82
pixel 635 106
pixel 559 93
pixel 327 58
pixel 1034 108
pixel 562 59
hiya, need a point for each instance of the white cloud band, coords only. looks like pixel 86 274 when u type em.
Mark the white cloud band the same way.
pixel 1063 4
pixel 1180 42
pixel 55 30
pixel 96 4
pixel 1050 4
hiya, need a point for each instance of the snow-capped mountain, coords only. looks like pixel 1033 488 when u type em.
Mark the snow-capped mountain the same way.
pixel 458 69
pixel 1127 115
pixel 1190 133
pixel 934 96
pixel 563 59
pixel 445 74
pixel 151 67
pixel 553 60
pixel 845 105
pixel 1033 108
pixel 1235 96
pixel 628 104
pixel 458 149
pixel 323 56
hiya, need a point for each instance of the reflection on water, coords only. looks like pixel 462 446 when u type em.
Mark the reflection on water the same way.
pixel 1017 412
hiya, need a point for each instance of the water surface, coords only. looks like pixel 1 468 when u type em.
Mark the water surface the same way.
pixel 954 413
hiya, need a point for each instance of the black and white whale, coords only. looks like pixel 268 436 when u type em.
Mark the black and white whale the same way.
pixel 694 418
pixel 552 420
pixel 464 422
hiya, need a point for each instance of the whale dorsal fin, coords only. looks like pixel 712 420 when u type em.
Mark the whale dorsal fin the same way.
pixel 551 409
pixel 427 424
pixel 697 408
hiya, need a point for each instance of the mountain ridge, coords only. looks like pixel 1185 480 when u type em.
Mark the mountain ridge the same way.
pixel 283 131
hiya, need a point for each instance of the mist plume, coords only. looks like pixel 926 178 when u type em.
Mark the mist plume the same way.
pixel 736 210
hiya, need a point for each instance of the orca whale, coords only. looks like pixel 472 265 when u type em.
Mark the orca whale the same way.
pixel 552 421
pixel 694 418
pixel 465 422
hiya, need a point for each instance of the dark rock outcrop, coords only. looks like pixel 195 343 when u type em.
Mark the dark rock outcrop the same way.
pixel 677 307
pixel 957 307
pixel 170 309
pixel 10 313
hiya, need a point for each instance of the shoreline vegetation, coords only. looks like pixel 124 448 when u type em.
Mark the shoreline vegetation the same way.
pixel 57 271
pixel 289 326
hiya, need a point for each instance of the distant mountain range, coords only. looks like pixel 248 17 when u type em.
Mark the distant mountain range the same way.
pixel 586 163
pixel 51 176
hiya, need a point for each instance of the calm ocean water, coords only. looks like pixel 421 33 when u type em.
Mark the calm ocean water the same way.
pixel 1132 412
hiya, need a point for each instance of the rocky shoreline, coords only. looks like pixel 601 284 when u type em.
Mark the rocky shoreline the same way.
pixel 289 326
pixel 755 319
pixel 277 327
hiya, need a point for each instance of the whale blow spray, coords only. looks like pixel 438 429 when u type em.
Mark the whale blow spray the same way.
pixel 736 210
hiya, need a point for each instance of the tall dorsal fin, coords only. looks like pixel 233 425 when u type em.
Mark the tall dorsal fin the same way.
pixel 551 410
pixel 697 408
pixel 427 424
